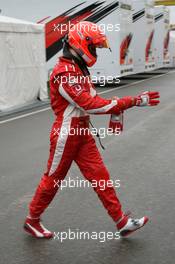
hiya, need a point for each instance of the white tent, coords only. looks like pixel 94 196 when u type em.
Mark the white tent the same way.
pixel 172 49
pixel 22 63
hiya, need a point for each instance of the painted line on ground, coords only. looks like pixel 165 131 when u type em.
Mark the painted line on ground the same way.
pixel 25 115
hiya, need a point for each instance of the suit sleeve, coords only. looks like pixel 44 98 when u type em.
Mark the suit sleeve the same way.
pixel 77 94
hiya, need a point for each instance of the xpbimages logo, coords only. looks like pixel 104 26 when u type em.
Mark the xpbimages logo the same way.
pixel 102 131
pixel 81 183
pixel 67 27
pixel 101 80
pixel 76 234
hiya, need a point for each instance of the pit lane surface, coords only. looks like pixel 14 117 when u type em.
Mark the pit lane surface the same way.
pixel 143 158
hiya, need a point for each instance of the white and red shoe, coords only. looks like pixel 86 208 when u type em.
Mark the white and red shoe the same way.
pixel 34 227
pixel 128 225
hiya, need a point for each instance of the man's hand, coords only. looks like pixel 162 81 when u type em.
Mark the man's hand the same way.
pixel 148 98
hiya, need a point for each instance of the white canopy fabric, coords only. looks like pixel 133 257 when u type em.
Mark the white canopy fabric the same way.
pixel 23 72
pixel 172 50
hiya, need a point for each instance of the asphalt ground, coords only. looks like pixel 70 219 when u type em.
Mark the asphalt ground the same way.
pixel 142 158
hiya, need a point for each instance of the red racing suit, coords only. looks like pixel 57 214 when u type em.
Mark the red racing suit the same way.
pixel 73 98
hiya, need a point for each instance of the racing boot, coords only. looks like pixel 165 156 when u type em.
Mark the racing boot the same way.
pixel 127 225
pixel 34 227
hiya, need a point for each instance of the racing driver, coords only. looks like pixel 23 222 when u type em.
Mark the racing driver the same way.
pixel 73 99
